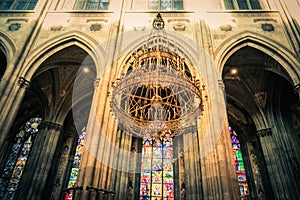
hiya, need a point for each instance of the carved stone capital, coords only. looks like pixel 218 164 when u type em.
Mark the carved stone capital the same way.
pixel 264 132
pixel 221 84
pixel 96 82
pixel 51 125
pixel 23 83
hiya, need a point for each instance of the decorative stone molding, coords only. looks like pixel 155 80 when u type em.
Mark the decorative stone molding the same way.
pixel 56 27
pixel 179 27
pixel 264 132
pixel 96 20
pixel 221 84
pixel 23 83
pixel 261 99
pixel 14 27
pixel 264 20
pixel 16 20
pixel 95 27
pixel 178 20
pixel 267 27
pixel 96 82
pixel 139 28
pixel 51 125
pixel 225 27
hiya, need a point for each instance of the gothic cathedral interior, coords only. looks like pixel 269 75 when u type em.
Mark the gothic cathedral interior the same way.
pixel 149 99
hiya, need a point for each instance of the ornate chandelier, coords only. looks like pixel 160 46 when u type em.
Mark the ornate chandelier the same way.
pixel 158 94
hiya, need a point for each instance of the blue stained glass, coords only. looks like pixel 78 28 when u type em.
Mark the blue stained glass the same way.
pixel 16 162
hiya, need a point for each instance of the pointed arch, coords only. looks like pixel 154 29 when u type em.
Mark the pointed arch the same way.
pixel 186 48
pixel 7 49
pixel 54 45
pixel 8 45
pixel 281 54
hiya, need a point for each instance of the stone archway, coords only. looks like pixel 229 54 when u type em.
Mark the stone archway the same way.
pixel 257 88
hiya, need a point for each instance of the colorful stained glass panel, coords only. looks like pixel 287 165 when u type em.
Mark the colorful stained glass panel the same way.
pixel 157 168
pixel 76 163
pixel 15 164
pixel 239 164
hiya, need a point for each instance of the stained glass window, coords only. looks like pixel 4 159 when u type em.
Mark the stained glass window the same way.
pixel 17 4
pixel 158 4
pixel 157 168
pixel 76 163
pixel 239 164
pixel 18 156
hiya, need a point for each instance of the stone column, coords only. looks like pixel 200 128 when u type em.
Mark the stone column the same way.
pixel 256 186
pixel 66 159
pixel 104 165
pixel 222 87
pixel 273 158
pixel 10 108
pixel 40 161
pixel 132 184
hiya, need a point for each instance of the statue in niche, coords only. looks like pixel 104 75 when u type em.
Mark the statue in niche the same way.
pixel 253 159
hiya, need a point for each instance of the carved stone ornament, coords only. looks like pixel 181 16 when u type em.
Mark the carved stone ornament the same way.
pixel 158 22
pixel 23 83
pixel 264 132
pixel 56 27
pixel 261 98
pixel 179 27
pixel 95 27
pixel 14 27
pixel 267 27
pixel 225 27
pixel 139 28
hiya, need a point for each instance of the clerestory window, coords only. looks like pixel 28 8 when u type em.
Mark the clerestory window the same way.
pixel 17 4
pixel 157 5
pixel 242 5
pixel 91 5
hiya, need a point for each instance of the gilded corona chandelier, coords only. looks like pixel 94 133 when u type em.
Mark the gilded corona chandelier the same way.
pixel 158 94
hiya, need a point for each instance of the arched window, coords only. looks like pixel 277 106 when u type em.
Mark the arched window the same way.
pixel 91 5
pixel 157 168
pixel 157 5
pixel 239 164
pixel 18 156
pixel 242 5
pixel 76 163
pixel 17 4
